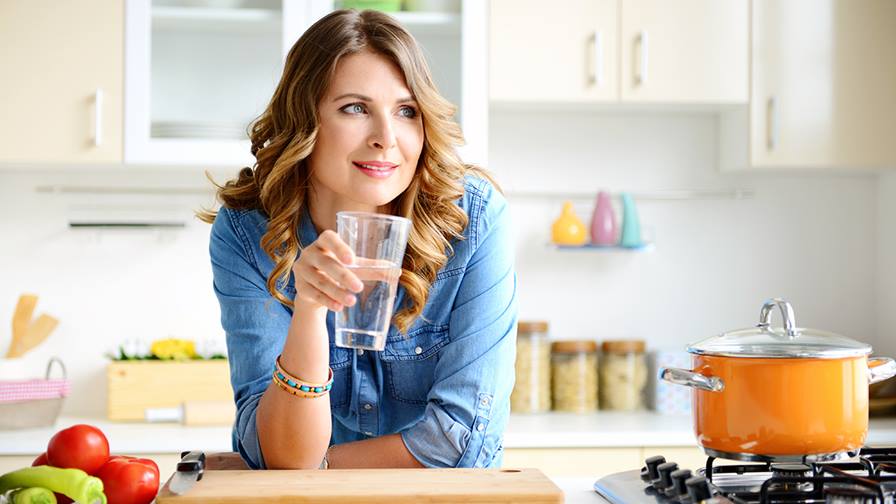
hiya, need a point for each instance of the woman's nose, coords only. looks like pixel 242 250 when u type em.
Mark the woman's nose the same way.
pixel 383 134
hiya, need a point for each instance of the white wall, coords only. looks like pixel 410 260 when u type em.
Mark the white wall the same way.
pixel 105 286
pixel 886 266
pixel 809 238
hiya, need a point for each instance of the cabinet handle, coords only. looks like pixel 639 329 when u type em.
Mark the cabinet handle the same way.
pixel 771 123
pixel 643 42
pixel 98 117
pixel 596 76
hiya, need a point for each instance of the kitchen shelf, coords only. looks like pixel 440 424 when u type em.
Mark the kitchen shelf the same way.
pixel 670 195
pixel 435 23
pixel 588 247
pixel 216 19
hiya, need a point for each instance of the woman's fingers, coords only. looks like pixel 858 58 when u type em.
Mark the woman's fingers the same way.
pixel 322 276
pixel 329 262
pixel 331 242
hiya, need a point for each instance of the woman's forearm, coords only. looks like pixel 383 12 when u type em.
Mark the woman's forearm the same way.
pixel 383 451
pixel 294 431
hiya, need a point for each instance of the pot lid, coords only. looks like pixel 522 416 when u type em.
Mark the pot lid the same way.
pixel 787 342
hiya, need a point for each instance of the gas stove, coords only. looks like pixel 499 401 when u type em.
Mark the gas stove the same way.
pixel 869 478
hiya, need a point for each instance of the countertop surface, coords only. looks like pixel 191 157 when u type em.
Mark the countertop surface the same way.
pixel 550 430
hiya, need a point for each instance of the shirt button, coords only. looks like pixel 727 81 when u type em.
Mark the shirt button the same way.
pixel 484 401
pixel 368 433
pixel 480 427
pixel 368 407
pixel 418 350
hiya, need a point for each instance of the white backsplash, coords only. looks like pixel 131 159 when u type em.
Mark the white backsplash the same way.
pixel 811 238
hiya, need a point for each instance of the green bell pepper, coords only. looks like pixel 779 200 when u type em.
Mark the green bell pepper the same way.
pixel 74 483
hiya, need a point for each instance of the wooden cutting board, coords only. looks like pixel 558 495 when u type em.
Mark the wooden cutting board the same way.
pixel 369 485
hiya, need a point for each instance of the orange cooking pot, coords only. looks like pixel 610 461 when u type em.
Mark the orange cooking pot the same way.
pixel 780 394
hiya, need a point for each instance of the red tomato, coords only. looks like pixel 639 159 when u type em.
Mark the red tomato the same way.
pixel 42 460
pixel 129 480
pixel 80 446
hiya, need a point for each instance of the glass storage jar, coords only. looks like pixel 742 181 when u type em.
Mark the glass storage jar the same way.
pixel 532 390
pixel 623 375
pixel 574 365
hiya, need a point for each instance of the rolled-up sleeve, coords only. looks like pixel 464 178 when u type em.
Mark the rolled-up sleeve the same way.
pixel 469 404
pixel 255 325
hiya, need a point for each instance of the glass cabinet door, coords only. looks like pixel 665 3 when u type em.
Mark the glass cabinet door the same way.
pixel 198 72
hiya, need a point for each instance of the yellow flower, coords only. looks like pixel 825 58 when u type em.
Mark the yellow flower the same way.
pixel 173 349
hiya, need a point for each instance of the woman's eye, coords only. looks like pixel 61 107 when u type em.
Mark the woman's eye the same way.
pixel 353 108
pixel 409 112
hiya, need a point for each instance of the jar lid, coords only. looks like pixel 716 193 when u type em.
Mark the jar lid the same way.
pixel 787 342
pixel 531 326
pixel 574 346
pixel 623 346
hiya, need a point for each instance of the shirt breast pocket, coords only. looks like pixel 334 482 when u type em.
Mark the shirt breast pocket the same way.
pixel 410 362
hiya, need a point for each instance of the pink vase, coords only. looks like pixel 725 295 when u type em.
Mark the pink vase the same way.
pixel 603 222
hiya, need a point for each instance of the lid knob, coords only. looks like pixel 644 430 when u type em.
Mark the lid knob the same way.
pixel 765 315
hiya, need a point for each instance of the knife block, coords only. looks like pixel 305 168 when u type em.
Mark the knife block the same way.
pixel 134 386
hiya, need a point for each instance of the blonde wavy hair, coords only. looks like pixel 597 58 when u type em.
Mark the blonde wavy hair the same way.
pixel 283 137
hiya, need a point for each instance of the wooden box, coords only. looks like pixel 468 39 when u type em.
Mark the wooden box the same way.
pixel 134 386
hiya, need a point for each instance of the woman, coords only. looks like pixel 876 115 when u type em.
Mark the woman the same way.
pixel 356 123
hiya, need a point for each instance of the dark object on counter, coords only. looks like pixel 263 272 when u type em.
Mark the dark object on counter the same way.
pixel 869 479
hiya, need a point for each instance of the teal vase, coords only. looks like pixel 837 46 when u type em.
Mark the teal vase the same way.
pixel 631 226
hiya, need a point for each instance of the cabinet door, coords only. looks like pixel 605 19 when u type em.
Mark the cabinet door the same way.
pixel 62 81
pixel 824 83
pixel 686 51
pixel 541 52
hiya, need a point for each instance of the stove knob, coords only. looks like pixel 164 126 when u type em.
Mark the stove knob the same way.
pixel 665 471
pixel 649 472
pixel 698 488
pixel 678 487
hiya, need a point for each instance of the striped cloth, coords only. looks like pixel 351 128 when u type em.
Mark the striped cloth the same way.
pixel 25 390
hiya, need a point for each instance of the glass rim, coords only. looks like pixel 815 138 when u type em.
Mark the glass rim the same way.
pixel 373 216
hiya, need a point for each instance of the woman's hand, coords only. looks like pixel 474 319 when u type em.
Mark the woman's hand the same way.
pixel 321 277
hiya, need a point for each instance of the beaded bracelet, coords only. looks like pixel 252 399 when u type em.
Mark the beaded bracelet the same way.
pixel 294 391
pixel 302 387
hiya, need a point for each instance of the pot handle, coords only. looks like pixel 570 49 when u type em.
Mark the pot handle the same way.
pixel 789 321
pixel 880 369
pixel 692 379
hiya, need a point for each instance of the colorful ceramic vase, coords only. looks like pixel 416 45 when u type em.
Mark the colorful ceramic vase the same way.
pixel 568 229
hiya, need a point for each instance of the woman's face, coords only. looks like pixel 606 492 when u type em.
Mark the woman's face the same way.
pixel 370 136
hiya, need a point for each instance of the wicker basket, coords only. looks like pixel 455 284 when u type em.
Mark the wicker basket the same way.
pixel 35 412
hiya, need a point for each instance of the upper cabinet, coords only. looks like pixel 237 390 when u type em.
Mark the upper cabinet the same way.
pixel 62 81
pixel 824 83
pixel 198 73
pixel 687 51
pixel 547 53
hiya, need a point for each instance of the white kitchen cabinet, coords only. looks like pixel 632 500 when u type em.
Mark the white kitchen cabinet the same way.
pixel 824 84
pixel 539 53
pixel 197 76
pixel 632 51
pixel 686 51
pixel 823 88
pixel 62 81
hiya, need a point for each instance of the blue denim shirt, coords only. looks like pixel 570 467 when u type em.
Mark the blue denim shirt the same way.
pixel 445 386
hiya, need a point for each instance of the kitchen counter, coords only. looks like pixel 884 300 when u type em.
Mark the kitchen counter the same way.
pixel 550 430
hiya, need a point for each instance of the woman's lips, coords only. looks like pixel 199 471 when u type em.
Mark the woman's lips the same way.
pixel 376 169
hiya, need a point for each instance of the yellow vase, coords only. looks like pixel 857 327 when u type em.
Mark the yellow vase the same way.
pixel 568 229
